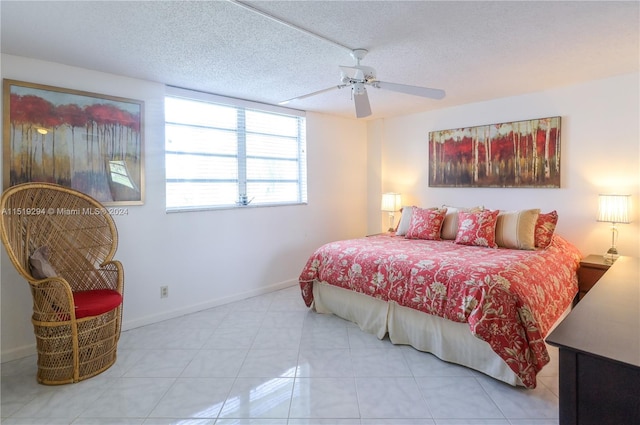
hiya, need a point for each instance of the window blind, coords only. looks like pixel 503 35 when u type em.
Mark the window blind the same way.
pixel 222 152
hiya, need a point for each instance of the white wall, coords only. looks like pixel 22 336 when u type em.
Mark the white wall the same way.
pixel 206 258
pixel 600 153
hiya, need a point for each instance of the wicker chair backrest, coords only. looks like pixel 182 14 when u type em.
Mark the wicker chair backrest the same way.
pixel 78 231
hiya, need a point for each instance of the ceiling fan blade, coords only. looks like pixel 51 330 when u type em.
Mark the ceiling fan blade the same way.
pixel 363 107
pixel 304 96
pixel 414 90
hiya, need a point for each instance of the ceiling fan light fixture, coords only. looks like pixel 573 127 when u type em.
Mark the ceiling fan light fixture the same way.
pixel 359 89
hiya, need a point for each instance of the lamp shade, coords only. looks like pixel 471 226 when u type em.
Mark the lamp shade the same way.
pixel 614 208
pixel 391 202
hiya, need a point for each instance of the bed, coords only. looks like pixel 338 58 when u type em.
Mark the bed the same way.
pixel 485 308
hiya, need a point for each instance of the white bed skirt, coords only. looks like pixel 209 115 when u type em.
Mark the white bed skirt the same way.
pixel 448 340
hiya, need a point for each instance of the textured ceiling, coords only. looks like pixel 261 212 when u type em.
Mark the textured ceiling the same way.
pixel 475 50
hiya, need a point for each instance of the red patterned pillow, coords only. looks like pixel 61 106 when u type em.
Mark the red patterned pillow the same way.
pixel 477 228
pixel 426 223
pixel 545 227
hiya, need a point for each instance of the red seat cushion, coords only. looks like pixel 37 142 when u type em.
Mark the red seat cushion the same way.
pixel 95 302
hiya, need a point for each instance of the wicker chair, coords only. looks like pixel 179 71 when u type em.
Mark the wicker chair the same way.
pixel 77 291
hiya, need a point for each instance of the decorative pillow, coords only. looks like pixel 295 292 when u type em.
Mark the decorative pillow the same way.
pixel 426 223
pixel 405 218
pixel 545 227
pixel 515 229
pixel 39 263
pixel 450 225
pixel 477 228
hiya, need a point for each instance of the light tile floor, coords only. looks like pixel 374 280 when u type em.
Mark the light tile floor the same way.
pixel 269 360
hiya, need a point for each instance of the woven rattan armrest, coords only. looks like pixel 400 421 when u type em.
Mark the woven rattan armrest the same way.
pixel 110 267
pixel 52 299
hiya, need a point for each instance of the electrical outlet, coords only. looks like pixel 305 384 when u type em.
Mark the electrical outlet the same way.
pixel 164 291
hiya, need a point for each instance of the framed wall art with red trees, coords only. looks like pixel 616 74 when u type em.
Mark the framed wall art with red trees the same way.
pixel 512 154
pixel 90 142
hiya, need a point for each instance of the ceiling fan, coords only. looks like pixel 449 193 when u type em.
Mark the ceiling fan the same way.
pixel 359 76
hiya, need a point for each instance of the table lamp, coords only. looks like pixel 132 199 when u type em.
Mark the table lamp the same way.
pixel 613 209
pixel 391 202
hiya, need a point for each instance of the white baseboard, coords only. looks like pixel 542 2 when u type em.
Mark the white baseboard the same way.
pixel 166 315
pixel 29 350
pixel 18 352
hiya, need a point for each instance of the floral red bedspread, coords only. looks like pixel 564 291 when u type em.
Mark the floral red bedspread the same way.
pixel 510 298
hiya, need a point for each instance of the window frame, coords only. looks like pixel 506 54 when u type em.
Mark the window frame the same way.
pixel 242 107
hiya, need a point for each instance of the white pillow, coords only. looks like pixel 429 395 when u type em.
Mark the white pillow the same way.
pixel 516 229
pixel 405 219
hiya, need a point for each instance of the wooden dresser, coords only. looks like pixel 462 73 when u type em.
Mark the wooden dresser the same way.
pixel 599 344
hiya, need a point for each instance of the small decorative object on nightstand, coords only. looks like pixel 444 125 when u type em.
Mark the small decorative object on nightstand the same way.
pixel 591 270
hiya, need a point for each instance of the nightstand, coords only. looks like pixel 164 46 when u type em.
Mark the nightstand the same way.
pixel 591 270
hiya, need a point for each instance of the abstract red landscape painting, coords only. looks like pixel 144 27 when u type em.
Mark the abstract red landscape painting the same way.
pixel 87 141
pixel 512 154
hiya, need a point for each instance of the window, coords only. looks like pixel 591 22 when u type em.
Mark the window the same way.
pixel 222 152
